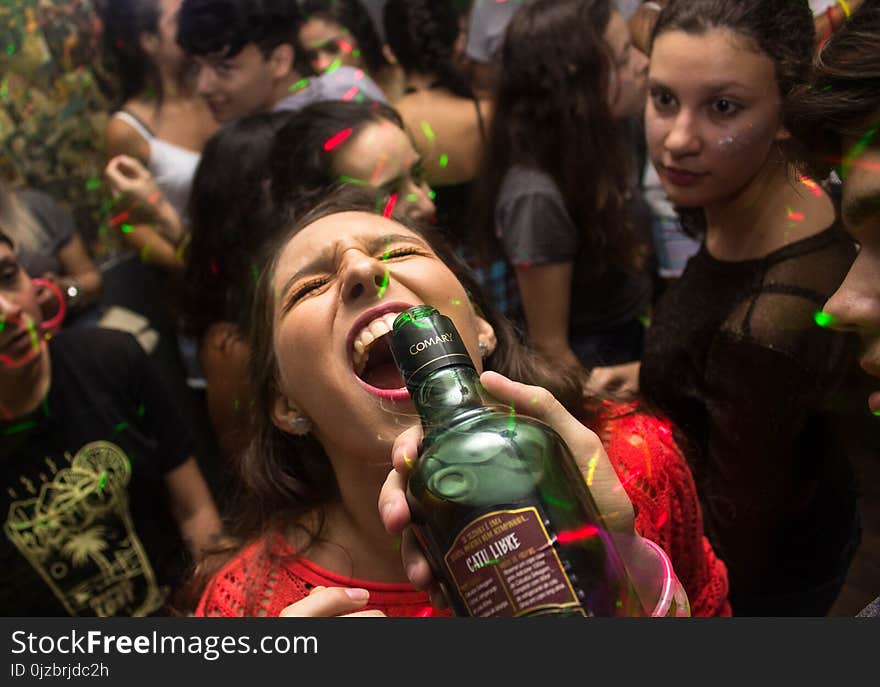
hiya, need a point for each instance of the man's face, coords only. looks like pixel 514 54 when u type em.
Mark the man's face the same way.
pixel 856 304
pixel 240 85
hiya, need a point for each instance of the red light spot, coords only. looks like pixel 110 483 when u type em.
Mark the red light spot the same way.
pixel 584 532
pixel 345 47
pixel 426 612
pixel 796 216
pixel 350 93
pixel 119 219
pixel 664 516
pixel 336 139
pixel 389 206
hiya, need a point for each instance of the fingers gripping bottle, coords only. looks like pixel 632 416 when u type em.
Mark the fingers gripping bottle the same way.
pixel 497 500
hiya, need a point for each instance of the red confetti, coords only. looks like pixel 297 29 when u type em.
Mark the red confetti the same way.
pixel 389 206
pixel 584 532
pixel 336 139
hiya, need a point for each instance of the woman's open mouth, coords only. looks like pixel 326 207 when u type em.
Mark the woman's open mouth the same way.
pixel 371 358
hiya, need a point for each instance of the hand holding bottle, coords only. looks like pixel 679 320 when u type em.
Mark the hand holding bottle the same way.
pixel 536 402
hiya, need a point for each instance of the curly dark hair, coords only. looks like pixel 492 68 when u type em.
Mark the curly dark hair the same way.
pixel 422 34
pixel 300 168
pixel 352 15
pixel 783 30
pixel 551 113
pixel 842 98
pixel 231 218
pixel 207 27
pixel 123 23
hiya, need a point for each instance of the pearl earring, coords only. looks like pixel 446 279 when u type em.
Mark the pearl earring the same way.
pixel 300 426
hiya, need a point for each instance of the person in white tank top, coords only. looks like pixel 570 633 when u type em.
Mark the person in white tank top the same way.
pixel 154 140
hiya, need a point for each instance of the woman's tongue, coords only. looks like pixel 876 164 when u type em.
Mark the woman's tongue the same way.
pixel 383 376
pixel 381 370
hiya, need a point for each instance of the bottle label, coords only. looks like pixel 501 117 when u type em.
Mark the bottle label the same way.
pixel 505 565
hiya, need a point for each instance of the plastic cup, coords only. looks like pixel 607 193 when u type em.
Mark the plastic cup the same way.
pixel 655 581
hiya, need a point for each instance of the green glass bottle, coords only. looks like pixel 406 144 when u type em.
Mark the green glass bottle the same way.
pixel 497 500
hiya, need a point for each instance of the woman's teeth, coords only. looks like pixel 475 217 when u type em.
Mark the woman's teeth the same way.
pixel 368 335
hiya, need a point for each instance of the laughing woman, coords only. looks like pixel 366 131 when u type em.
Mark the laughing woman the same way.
pixel 307 515
pixel 734 357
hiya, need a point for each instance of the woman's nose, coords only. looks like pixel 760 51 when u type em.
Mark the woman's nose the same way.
pixel 682 137
pixel 362 274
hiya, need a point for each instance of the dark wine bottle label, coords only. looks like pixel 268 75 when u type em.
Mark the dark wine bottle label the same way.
pixel 424 341
pixel 504 564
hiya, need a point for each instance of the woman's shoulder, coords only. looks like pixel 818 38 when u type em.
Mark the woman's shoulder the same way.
pixel 230 590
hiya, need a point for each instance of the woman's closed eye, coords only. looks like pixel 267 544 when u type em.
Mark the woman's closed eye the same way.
pixel 400 252
pixel 304 289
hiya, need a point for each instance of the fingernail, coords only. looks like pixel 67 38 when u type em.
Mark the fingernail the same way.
pixel 356 594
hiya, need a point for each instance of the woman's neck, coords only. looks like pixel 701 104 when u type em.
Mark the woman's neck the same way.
pixel 768 214
pixel 353 540
pixel 23 389
pixel 419 82
pixel 176 84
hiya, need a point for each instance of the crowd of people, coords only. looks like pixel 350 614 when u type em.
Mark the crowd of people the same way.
pixel 654 224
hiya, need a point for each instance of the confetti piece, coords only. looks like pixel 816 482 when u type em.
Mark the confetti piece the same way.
pixel 824 319
pixel 337 139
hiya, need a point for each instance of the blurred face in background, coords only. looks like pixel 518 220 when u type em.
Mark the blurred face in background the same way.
pixel 628 84
pixel 326 43
pixel 381 155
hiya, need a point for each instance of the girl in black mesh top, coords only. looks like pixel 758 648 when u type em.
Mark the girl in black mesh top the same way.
pixel 734 356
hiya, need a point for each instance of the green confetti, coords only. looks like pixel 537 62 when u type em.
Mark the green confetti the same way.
pixel 824 319
pixel 302 83
pixel 428 131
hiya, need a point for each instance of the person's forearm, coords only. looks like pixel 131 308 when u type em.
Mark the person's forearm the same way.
pixel 200 530
pixel 154 248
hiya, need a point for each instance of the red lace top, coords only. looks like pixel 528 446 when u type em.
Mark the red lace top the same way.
pixel 265 577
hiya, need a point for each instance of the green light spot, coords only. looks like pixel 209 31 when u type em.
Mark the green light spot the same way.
pixel 412 198
pixel 556 502
pixel 302 83
pixel 121 427
pixel 141 409
pixel 127 228
pixel 511 420
pixel 823 319
pixel 93 184
pixel 236 404
pixel 618 603
pixel 444 160
pixel 337 63
pixel 102 482
pixel 351 180
pixel 432 194
pixel 356 53
pixel 10 49
pixel 645 321
pixel 428 131
pixel 384 287
pixel 2 326
pixel 17 429
pixel 456 301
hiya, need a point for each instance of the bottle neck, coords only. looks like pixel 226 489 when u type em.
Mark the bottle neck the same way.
pixel 447 393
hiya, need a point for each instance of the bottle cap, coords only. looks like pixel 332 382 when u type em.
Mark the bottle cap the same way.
pixel 424 341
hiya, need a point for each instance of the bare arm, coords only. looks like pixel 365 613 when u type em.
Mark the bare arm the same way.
pixel 545 291
pixel 193 507
pixel 76 265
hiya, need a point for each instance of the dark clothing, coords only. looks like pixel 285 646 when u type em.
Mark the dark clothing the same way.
pixel 735 359
pixel 87 529
pixel 535 228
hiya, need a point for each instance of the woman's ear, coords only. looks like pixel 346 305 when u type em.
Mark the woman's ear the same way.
pixel 390 57
pixel 281 60
pixel 287 417
pixel 149 42
pixel 486 336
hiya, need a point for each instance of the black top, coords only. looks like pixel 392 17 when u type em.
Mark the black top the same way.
pixel 736 360
pixel 86 526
